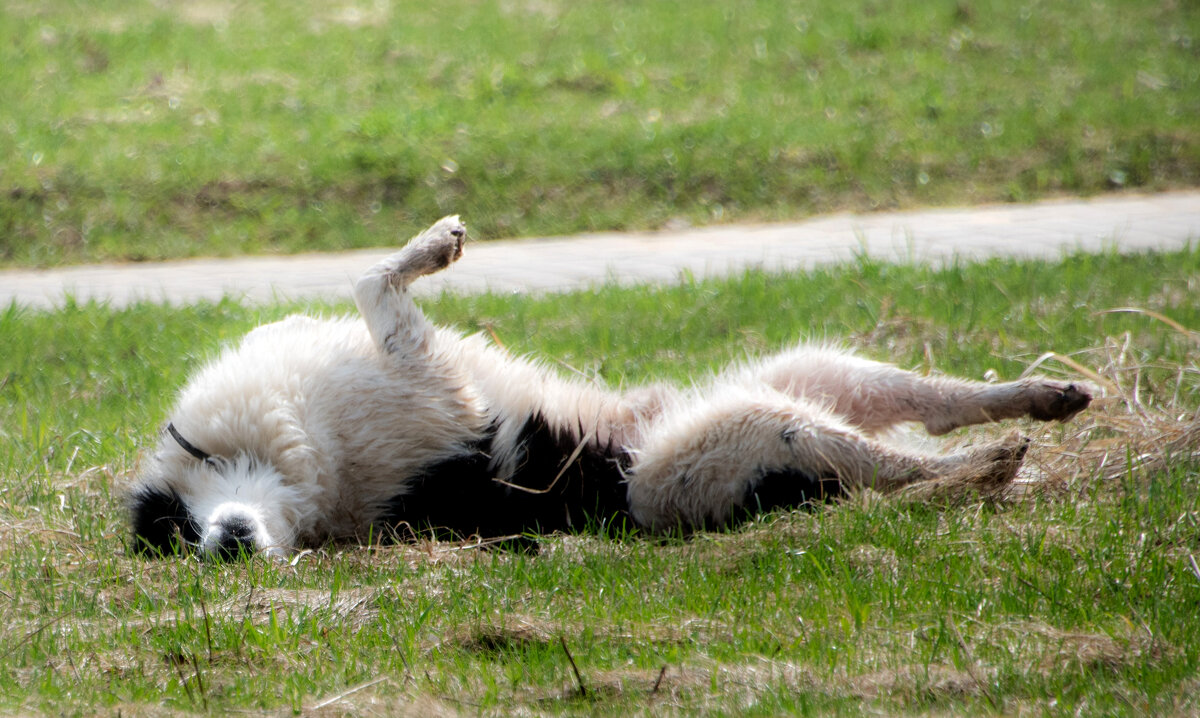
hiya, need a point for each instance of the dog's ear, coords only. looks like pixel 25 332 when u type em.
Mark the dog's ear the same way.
pixel 162 524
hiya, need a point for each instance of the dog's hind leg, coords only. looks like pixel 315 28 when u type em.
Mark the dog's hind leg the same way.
pixel 381 293
pixel 874 396
pixel 706 465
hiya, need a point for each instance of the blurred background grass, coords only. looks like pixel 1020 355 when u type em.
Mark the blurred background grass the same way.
pixel 147 130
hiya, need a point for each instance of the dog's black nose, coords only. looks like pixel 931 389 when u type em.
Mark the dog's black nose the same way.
pixel 236 537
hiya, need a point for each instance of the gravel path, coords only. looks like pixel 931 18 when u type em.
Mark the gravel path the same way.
pixel 1046 230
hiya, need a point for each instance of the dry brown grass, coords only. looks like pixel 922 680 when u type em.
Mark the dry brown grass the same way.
pixel 1143 421
pixel 1143 418
pixel 509 630
pixel 1060 650
pixel 722 686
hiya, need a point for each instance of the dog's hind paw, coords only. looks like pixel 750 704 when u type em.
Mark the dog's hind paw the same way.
pixel 1053 400
pixel 984 471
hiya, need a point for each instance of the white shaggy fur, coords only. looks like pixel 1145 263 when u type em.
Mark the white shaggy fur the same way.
pixel 317 429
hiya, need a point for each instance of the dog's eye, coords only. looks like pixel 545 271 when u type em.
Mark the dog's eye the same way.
pixel 162 523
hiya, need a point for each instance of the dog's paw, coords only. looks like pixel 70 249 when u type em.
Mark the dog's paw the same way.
pixel 993 462
pixel 436 248
pixel 981 471
pixel 1005 455
pixel 1053 400
pixel 444 240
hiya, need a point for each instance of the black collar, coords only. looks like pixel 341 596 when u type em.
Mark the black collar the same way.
pixel 190 447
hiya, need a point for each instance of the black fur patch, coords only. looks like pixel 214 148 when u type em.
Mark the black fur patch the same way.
pixel 161 522
pixel 789 489
pixel 460 497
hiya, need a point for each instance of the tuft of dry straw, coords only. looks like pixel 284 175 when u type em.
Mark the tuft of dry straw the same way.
pixel 1144 421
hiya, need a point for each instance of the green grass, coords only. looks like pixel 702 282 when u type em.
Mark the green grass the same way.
pixel 133 130
pixel 1080 602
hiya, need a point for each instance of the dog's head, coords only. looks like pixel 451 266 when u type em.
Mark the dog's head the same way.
pixel 188 500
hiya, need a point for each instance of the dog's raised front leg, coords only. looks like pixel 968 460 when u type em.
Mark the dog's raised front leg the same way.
pixel 381 293
pixel 874 396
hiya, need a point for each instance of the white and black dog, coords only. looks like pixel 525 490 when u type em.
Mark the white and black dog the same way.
pixel 312 430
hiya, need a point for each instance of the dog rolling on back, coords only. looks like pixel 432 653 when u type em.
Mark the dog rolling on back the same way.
pixel 315 430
